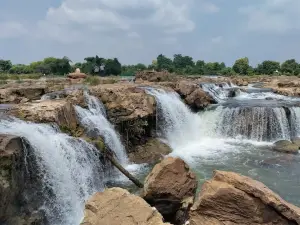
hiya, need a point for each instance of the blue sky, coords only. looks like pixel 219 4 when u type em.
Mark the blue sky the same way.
pixel 138 30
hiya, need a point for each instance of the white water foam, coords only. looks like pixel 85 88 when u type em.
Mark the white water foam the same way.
pixel 193 135
pixel 94 120
pixel 69 168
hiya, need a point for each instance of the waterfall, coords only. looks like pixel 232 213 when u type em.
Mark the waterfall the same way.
pixel 95 121
pixel 295 121
pixel 69 169
pixel 218 92
pixel 174 118
pixel 254 123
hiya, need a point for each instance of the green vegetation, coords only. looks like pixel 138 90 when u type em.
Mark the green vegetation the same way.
pixel 179 64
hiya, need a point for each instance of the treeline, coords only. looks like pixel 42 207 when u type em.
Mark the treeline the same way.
pixel 179 64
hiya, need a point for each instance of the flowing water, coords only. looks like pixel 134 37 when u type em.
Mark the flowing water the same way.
pixel 69 168
pixel 236 137
pixel 95 121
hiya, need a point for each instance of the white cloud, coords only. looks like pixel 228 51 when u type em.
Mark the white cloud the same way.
pixel 11 29
pixel 277 16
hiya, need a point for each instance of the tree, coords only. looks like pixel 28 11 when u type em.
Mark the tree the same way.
pixel 20 69
pixel 180 62
pixel 113 67
pixel 290 66
pixel 140 66
pixel 5 65
pixel 164 63
pixel 241 66
pixel 268 67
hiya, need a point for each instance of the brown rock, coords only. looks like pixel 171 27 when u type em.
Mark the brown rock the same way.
pixel 232 199
pixel 16 205
pixel 152 151
pixel 154 76
pixel 21 94
pixel 286 147
pixel 124 101
pixel 117 206
pixel 185 88
pixel 169 184
pixel 193 95
pixel 130 108
pixel 59 111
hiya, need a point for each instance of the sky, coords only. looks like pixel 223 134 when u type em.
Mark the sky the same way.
pixel 136 31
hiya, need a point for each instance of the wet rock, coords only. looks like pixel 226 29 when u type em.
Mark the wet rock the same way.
pixel 59 111
pixel 16 204
pixel 171 188
pixel 230 198
pixel 193 95
pixel 286 147
pixel 117 206
pixel 152 151
pixel 130 109
pixel 296 141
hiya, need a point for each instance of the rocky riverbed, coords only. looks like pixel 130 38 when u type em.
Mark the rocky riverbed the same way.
pixel 52 131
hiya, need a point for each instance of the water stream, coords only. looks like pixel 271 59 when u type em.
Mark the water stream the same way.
pixel 69 168
pixel 235 137
pixel 95 121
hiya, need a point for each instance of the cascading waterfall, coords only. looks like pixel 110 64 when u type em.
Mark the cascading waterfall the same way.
pixel 94 120
pixel 69 169
pixel 295 121
pixel 255 123
pixel 174 118
pixel 218 92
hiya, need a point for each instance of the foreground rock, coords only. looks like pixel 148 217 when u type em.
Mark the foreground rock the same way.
pixel 229 198
pixel 59 111
pixel 17 206
pixel 171 188
pixel 286 147
pixel 117 206
pixel 152 151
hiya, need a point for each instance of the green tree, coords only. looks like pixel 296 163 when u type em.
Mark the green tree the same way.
pixel 113 67
pixel 5 65
pixel 290 67
pixel 181 62
pixel 241 66
pixel 268 67
pixel 20 69
pixel 164 63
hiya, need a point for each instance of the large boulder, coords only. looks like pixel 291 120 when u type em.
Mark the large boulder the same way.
pixel 230 198
pixel 17 206
pixel 286 147
pixel 117 206
pixel 193 95
pixel 150 152
pixel 59 111
pixel 130 109
pixel 171 188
